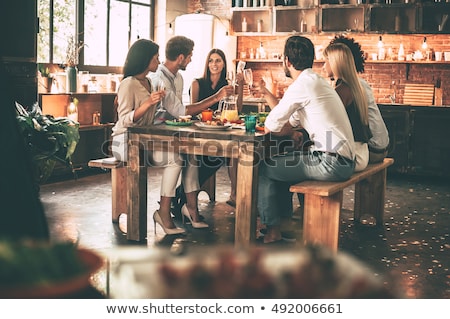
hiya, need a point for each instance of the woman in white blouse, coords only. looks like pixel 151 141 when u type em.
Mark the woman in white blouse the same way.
pixel 137 103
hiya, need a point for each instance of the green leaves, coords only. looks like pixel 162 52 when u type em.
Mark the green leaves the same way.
pixel 50 139
pixel 30 263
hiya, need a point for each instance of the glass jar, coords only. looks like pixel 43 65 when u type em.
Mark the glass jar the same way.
pixel 92 85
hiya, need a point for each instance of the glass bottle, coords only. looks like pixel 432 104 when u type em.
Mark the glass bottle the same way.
pixel 244 25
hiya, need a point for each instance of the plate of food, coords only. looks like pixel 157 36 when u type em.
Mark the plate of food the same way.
pixel 44 270
pixel 213 125
pixel 260 127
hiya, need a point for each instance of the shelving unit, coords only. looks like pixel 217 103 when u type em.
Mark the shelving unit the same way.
pixel 351 18
pixel 252 15
pixel 395 18
pixel 94 139
pixel 289 19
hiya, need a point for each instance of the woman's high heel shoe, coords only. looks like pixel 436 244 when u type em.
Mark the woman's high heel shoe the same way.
pixel 168 231
pixel 185 213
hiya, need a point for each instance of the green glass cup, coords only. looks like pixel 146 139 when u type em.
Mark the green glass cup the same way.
pixel 262 117
pixel 250 123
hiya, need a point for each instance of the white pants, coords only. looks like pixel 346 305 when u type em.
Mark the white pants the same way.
pixel 174 164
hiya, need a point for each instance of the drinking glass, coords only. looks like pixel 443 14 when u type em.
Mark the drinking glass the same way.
pixel 159 85
pixel 250 123
pixel 231 78
pixel 248 77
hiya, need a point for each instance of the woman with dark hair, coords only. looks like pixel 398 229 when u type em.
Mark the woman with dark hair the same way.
pixel 137 103
pixel 213 80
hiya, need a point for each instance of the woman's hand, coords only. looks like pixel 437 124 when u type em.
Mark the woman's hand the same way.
pixel 156 97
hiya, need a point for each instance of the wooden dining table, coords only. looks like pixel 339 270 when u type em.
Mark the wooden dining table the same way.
pixel 248 148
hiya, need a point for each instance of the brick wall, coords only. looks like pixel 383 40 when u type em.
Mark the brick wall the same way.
pixel 379 75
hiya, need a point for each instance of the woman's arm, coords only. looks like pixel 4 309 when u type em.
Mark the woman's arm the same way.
pixel 195 91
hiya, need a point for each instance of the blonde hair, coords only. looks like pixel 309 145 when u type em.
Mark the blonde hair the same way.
pixel 342 64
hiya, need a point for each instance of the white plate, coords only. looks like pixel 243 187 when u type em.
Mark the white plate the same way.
pixel 238 126
pixel 204 126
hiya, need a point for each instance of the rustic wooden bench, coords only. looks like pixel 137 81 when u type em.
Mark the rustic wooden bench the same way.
pixel 119 183
pixel 323 202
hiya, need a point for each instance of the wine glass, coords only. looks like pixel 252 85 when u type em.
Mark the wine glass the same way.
pixel 248 78
pixel 159 85
pixel 355 21
pixel 231 78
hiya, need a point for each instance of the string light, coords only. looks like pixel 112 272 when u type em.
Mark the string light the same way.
pixel 424 43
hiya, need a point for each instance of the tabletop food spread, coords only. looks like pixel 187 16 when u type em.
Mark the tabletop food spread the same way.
pixel 311 272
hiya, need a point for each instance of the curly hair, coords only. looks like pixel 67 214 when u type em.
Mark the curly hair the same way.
pixel 355 47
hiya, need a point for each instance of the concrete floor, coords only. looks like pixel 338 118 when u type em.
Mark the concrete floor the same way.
pixel 410 251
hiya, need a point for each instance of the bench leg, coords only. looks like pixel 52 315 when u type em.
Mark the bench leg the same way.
pixel 209 186
pixel 119 192
pixel 369 197
pixel 321 220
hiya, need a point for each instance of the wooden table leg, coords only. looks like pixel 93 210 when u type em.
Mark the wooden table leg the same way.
pixel 246 195
pixel 137 192
pixel 321 220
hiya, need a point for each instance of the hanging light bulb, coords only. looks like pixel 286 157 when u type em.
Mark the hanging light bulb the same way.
pixel 380 42
pixel 424 43
pixel 72 110
pixel 170 31
pixel 381 51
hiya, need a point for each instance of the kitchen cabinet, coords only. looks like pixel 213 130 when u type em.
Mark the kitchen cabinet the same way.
pixel 418 139
pixel 94 139
pixel 395 18
pixel 295 19
pixel 434 17
pixel 351 18
pixel 245 21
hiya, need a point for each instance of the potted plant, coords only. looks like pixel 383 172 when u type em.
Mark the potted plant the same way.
pixel 50 139
pixel 46 77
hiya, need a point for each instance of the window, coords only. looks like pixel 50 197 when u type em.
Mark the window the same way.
pixel 106 28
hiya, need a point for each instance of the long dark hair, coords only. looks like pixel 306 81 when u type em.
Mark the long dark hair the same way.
pixel 139 56
pixel 207 72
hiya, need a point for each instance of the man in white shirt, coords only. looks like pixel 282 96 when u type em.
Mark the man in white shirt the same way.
pixel 312 104
pixel 178 55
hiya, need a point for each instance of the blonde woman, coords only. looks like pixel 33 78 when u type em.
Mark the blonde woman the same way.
pixel 340 66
